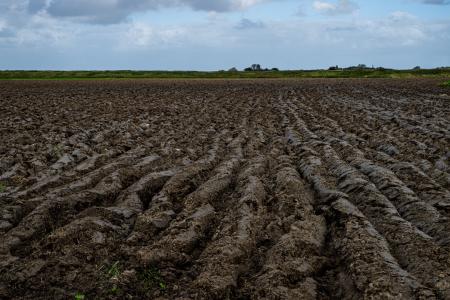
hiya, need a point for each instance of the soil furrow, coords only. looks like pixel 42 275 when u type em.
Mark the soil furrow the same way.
pixel 225 189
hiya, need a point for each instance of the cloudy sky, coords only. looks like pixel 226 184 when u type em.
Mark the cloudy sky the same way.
pixel 220 34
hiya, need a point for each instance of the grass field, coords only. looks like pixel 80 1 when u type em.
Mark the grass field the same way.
pixel 358 73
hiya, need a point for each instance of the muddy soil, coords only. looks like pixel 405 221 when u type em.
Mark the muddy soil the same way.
pixel 263 189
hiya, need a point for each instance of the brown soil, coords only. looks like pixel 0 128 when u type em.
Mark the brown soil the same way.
pixel 263 189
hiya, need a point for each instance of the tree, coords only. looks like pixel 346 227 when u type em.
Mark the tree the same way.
pixel 256 67
pixel 416 68
pixel 233 69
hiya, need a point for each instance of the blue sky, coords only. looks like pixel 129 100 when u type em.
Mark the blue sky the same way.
pixel 212 35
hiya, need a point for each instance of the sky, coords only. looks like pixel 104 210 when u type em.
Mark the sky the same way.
pixel 221 34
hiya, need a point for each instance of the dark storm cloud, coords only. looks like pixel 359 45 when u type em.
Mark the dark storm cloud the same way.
pixel 114 11
pixel 208 5
pixel 103 11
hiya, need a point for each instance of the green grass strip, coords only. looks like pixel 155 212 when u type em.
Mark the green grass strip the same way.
pixel 122 74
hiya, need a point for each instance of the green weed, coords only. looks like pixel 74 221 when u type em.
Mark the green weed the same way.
pixel 446 83
pixel 115 290
pixel 114 270
pixel 151 278
pixel 112 273
pixel 80 296
pixel 2 187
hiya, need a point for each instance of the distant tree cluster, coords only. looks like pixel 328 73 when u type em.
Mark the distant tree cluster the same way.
pixel 252 68
pixel 257 68
pixel 359 67
pixel 365 67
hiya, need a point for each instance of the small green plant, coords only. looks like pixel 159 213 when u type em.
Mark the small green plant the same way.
pixel 446 83
pixel 115 290
pixel 2 187
pixel 114 270
pixel 112 273
pixel 80 296
pixel 57 151
pixel 152 278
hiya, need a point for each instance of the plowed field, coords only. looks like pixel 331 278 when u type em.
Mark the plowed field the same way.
pixel 263 189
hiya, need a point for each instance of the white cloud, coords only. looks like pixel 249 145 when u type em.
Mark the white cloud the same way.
pixel 43 31
pixel 2 24
pixel 400 28
pixel 341 7
pixel 397 29
pixel 244 4
pixel 324 6
pixel 249 24
pixel 402 16
pixel 145 35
